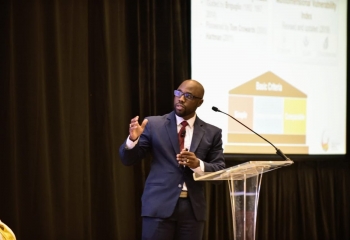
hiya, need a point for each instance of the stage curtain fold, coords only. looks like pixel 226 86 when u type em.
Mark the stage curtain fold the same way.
pixel 72 75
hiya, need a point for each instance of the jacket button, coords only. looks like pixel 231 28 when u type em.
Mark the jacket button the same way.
pixel 180 186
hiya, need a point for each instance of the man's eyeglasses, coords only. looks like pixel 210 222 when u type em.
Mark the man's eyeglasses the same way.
pixel 178 93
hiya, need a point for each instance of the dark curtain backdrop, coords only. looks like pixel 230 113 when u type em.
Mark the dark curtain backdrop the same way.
pixel 72 75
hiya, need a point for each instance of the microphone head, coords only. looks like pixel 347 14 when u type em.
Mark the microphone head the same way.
pixel 215 109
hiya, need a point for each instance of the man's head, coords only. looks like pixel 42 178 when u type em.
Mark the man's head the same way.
pixel 188 97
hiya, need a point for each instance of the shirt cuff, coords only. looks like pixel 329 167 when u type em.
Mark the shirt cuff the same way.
pixel 200 169
pixel 131 144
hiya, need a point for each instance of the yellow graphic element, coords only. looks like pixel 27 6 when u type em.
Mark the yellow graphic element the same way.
pixel 325 141
pixel 295 116
pixel 325 146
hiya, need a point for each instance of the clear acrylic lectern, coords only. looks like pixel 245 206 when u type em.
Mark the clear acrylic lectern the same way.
pixel 244 181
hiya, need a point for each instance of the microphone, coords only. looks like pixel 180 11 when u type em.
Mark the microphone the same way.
pixel 183 133
pixel 278 151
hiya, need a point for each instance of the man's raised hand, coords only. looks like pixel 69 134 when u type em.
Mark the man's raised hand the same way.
pixel 135 129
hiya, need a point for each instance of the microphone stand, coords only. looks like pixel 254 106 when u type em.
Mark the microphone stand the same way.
pixel 278 151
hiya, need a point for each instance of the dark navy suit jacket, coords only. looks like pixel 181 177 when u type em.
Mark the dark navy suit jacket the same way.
pixel 165 179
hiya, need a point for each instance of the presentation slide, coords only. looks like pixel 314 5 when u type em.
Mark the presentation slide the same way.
pixel 277 66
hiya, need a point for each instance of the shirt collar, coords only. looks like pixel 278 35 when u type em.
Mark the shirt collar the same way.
pixel 190 121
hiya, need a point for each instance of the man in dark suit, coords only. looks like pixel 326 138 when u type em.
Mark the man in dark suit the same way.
pixel 173 204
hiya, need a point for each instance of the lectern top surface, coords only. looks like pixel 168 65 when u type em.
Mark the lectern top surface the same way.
pixel 242 171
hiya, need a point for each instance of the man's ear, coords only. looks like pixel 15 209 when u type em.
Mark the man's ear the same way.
pixel 200 102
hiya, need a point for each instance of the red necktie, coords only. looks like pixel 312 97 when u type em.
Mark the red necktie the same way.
pixel 181 135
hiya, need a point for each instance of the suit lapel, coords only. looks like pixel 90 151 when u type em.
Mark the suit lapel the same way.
pixel 198 133
pixel 171 129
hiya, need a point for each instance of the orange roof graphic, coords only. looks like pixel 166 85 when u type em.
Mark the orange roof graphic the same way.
pixel 268 84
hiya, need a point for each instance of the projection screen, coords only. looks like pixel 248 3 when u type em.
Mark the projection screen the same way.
pixel 277 66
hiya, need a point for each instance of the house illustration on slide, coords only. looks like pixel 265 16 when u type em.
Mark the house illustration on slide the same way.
pixel 271 107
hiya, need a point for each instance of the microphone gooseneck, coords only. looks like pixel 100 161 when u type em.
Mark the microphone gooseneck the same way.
pixel 278 151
